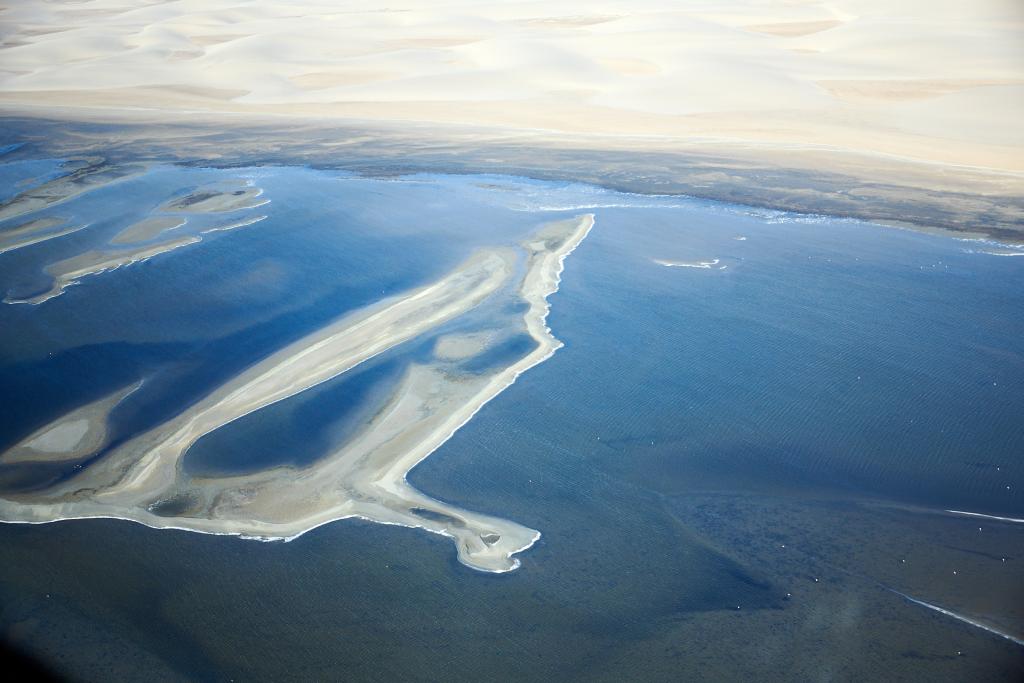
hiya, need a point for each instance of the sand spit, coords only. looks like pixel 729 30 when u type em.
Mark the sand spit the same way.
pixel 33 232
pixel 71 271
pixel 147 229
pixel 235 224
pixel 76 435
pixel 142 479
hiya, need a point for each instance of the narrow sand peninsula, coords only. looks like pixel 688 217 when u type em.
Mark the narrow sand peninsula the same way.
pixel 35 231
pixel 71 271
pixel 142 479
pixel 76 435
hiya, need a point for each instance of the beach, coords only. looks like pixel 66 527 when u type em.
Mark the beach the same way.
pixel 740 102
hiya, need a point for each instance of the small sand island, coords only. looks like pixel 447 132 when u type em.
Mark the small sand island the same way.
pixel 142 479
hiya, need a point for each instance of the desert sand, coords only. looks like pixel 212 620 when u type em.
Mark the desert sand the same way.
pixel 939 82
pixel 142 479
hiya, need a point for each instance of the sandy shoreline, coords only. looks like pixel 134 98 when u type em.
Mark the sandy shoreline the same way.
pixel 142 480
pixel 849 108
pixel 815 180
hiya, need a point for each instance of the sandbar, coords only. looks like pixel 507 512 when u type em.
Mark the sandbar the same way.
pixel 142 479
pixel 147 229
pixel 78 434
pixel 35 231
pixel 217 201
pixel 70 271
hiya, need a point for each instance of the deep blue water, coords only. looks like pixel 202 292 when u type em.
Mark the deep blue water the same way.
pixel 817 359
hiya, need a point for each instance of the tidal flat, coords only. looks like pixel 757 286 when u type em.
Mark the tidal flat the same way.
pixel 717 457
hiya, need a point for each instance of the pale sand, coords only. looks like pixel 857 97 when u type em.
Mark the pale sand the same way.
pixel 460 346
pixel 83 176
pixel 212 200
pixel 78 434
pixel 141 480
pixel 777 75
pixel 70 271
pixel 147 229
pixel 94 174
pixel 33 232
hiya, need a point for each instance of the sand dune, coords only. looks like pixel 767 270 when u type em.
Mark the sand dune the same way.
pixel 142 479
pixel 795 28
pixel 771 74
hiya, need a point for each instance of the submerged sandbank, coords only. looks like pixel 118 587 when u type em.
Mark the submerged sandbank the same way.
pixel 76 435
pixel 35 231
pixel 83 176
pixel 132 244
pixel 142 479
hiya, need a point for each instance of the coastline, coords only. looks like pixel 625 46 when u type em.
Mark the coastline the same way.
pixel 890 190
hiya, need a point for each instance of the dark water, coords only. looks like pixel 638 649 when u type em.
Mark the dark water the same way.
pixel 729 466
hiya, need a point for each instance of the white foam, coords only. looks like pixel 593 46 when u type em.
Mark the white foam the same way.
pixel 960 617
pixel 706 265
